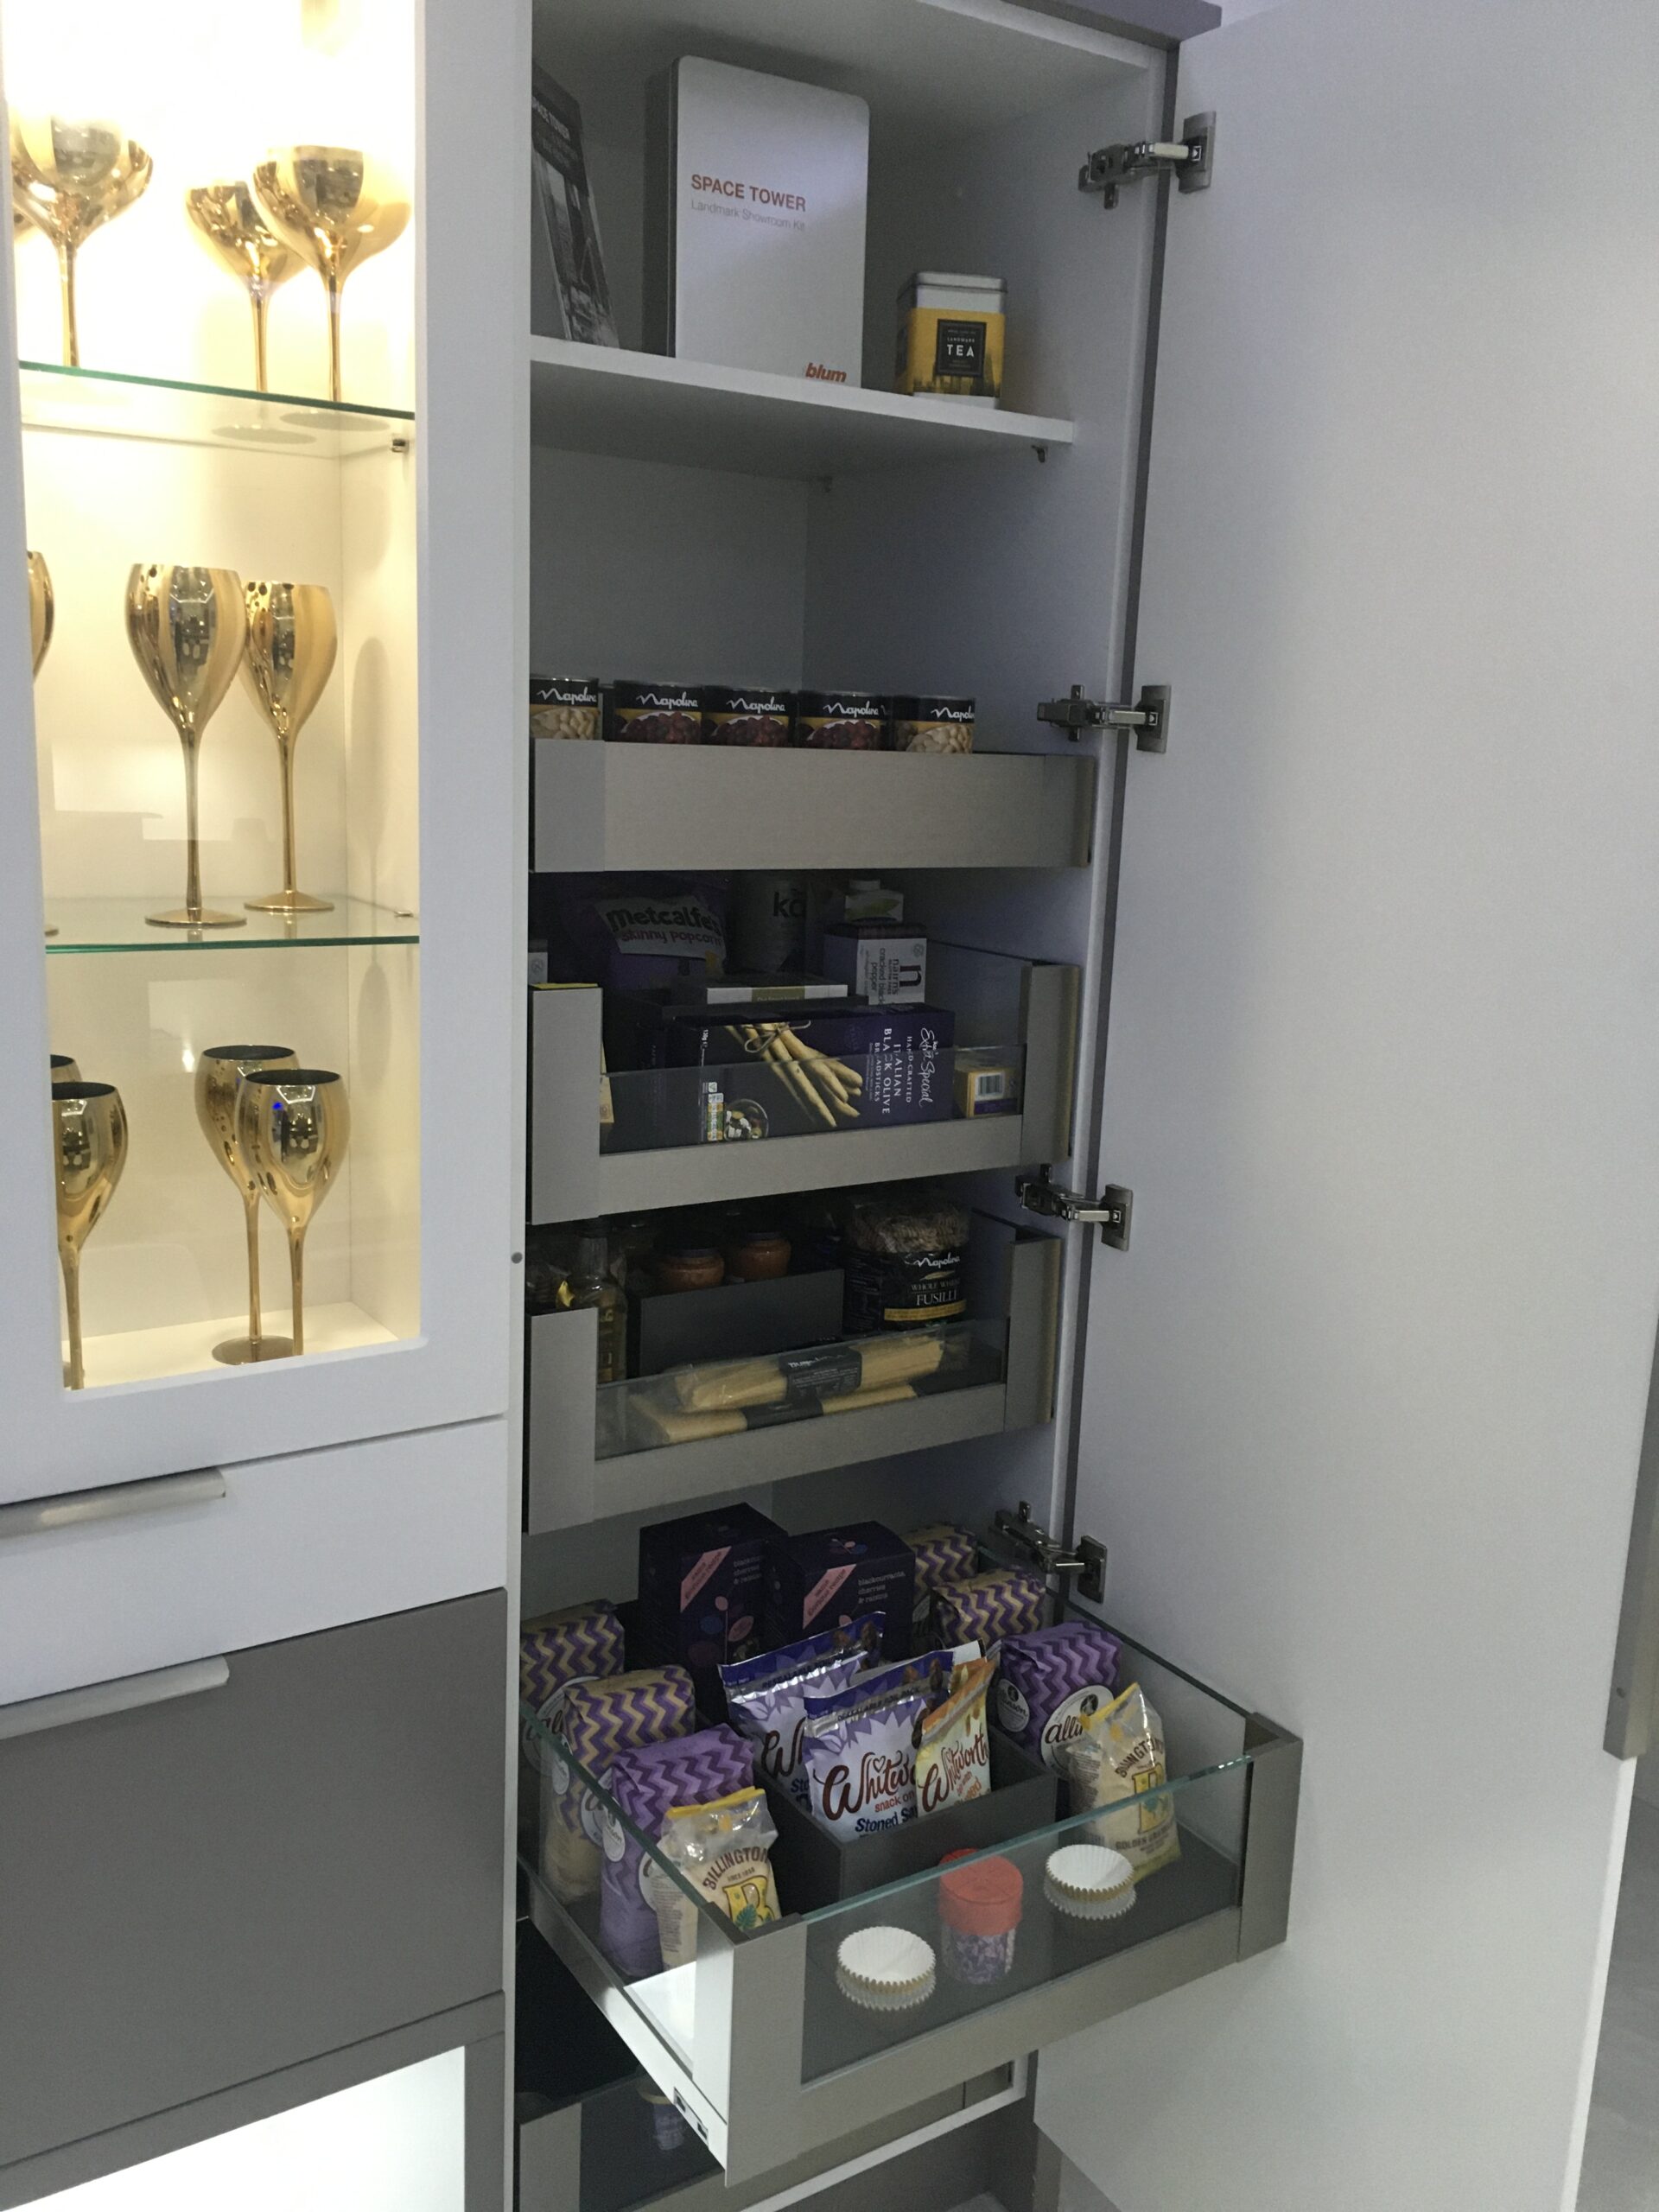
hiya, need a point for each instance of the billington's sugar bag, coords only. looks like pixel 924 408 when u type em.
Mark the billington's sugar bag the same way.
pixel 1119 1760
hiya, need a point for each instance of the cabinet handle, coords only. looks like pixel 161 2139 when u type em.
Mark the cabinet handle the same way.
pixel 75 1508
pixel 95 1701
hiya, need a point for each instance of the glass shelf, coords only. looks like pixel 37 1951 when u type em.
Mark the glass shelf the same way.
pixel 101 403
pixel 119 926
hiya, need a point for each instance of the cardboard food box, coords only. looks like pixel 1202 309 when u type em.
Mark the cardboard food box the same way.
pixel 701 1591
pixel 832 1575
pixel 883 962
pixel 755 197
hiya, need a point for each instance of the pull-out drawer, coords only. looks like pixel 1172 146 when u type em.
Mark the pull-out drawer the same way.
pixel 220 1869
pixel 595 2133
pixel 589 1454
pixel 655 1149
pixel 760 2038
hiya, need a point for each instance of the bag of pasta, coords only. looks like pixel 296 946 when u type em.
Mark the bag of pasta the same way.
pixel 1118 1760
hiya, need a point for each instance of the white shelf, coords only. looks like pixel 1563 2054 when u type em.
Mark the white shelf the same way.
pixel 931 70
pixel 644 407
pixel 186 1348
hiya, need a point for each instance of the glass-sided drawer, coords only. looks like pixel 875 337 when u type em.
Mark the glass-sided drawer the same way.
pixel 767 2045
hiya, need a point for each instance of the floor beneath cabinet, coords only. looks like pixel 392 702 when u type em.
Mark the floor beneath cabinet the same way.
pixel 1621 2152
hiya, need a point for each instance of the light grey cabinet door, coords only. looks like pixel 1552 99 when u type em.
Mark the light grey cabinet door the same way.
pixel 290 1856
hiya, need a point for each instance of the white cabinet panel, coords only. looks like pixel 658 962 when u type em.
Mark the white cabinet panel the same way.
pixel 1365 1397
pixel 294 1545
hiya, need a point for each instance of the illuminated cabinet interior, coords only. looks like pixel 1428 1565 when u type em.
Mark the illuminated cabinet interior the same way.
pixel 157 451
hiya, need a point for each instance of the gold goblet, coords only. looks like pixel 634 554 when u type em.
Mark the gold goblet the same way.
pixel 293 1126
pixel 229 224
pixel 71 178
pixel 187 628
pixel 89 1150
pixel 41 606
pixel 220 1070
pixel 65 1069
pixel 291 655
pixel 337 206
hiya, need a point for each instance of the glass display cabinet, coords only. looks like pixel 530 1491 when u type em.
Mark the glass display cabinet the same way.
pixel 246 916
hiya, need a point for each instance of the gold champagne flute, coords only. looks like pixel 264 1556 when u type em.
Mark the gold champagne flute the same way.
pixel 293 1126
pixel 229 223
pixel 337 206
pixel 71 178
pixel 89 1149
pixel 220 1070
pixel 292 641
pixel 187 628
pixel 41 611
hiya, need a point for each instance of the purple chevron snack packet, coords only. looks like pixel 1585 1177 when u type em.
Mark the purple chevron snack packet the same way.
pixel 575 1645
pixel 943 1555
pixel 765 1697
pixel 1005 1601
pixel 859 1751
pixel 647 1783
pixel 1054 1683
pixel 600 1720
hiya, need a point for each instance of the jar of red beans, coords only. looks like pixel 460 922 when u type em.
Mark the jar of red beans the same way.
pixel 754 716
pixel 843 721
pixel 655 714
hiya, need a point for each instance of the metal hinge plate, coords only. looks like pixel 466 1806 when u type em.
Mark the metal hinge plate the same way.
pixel 1149 718
pixel 1086 1560
pixel 1109 1212
pixel 1189 159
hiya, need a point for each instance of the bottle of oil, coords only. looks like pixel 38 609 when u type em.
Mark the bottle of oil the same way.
pixel 590 1283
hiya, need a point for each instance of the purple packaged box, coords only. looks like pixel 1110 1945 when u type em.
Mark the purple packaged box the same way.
pixel 829 1578
pixel 646 1783
pixel 702 1588
pixel 1051 1683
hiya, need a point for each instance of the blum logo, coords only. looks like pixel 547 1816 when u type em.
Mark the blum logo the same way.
pixel 825 376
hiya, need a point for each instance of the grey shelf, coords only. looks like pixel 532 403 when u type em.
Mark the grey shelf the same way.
pixel 997 1001
pixel 687 807
pixel 1014 1279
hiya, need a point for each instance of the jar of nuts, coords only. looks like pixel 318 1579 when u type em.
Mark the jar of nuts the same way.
pixel 656 713
pixel 930 724
pixel 564 706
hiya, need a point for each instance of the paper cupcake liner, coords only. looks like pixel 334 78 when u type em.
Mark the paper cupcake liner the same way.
pixel 885 1969
pixel 1089 1881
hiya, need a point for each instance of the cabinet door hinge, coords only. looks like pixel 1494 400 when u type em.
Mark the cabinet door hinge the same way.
pixel 1110 1211
pixel 1189 159
pixel 1086 1560
pixel 1149 718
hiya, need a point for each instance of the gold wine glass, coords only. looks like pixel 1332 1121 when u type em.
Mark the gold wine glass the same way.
pixel 292 642
pixel 187 628
pixel 42 607
pixel 71 178
pixel 229 223
pixel 89 1149
pixel 64 1069
pixel 293 1126
pixel 337 206
pixel 220 1070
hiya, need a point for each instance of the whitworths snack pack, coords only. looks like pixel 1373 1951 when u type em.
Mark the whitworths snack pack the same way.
pixel 953 1754
pixel 858 1750
pixel 766 1696
pixel 1119 1760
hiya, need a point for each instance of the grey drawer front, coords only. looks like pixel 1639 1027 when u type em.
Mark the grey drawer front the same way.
pixel 198 1892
